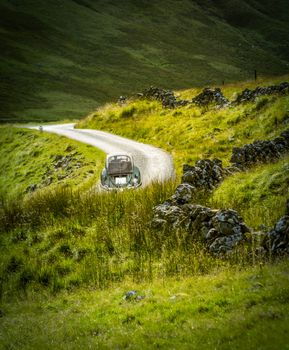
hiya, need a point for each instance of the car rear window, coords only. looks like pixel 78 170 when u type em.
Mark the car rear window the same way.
pixel 118 165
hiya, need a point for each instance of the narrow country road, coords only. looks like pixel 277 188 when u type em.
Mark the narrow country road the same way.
pixel 154 163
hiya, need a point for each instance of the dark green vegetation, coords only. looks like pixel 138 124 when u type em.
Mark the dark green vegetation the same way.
pixel 64 58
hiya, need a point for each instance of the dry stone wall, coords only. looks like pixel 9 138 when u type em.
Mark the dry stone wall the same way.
pixel 209 96
pixel 219 230
pixel 260 151
pixel 248 95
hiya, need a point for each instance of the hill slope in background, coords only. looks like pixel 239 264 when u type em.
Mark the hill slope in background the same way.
pixel 63 59
pixel 191 132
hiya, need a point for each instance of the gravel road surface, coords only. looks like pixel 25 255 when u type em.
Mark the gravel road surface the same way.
pixel 154 163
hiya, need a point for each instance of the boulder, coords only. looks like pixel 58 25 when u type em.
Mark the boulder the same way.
pixel 277 240
pixel 184 193
pixel 223 245
pixel 210 96
pixel 167 97
pixel 167 215
pixel 205 175
pixel 122 100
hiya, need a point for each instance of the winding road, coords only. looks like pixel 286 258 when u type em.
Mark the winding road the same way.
pixel 155 164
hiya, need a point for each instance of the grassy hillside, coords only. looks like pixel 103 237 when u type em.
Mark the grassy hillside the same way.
pixel 31 160
pixel 191 133
pixel 66 58
pixel 68 257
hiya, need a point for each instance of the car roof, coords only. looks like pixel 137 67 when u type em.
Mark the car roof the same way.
pixel 119 154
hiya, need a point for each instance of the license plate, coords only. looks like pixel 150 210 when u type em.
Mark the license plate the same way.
pixel 120 180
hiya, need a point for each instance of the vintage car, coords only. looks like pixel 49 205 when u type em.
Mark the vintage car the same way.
pixel 120 172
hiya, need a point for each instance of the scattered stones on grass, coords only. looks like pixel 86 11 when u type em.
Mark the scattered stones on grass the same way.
pixel 248 95
pixel 210 96
pixel 132 295
pixel 61 167
pixel 260 151
pixel 62 161
pixel 122 100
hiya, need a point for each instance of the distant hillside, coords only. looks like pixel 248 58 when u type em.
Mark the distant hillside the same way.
pixel 63 59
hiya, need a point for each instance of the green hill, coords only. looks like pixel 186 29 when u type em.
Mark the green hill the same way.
pixel 63 59
pixel 69 255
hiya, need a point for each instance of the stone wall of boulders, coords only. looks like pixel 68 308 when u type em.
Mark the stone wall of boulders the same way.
pixel 260 151
pixel 204 176
pixel 167 97
pixel 248 95
pixel 220 230
pixel 209 96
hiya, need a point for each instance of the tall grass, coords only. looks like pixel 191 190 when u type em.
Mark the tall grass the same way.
pixel 259 195
pixel 64 239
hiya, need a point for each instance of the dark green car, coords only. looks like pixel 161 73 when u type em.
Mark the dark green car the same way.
pixel 120 172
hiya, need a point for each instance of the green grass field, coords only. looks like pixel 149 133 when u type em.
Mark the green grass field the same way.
pixel 231 309
pixel 62 60
pixel 69 254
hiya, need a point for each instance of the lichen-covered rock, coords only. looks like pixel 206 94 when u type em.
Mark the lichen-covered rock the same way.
pixel 222 245
pixel 205 175
pixel 260 151
pixel 210 96
pixel 277 240
pixel 227 222
pixel 184 193
pixel 167 215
